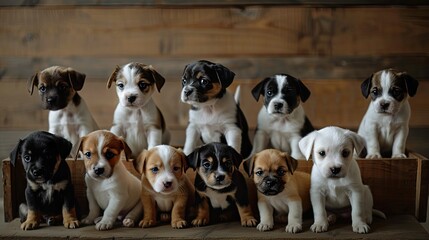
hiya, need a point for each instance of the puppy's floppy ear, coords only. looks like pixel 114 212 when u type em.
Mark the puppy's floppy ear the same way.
pixel 127 149
pixel 291 162
pixel 306 144
pixel 33 81
pixel 359 142
pixel 304 92
pixel 14 155
pixel 183 159
pixel 248 164
pixel 366 85
pixel 224 75
pixel 79 148
pixel 76 79
pixel 236 157
pixel 258 90
pixel 411 84
pixel 157 78
pixel 194 158
pixel 64 146
pixel 113 76
pixel 140 162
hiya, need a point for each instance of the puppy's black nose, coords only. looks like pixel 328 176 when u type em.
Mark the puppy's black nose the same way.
pixel 168 184
pixel 220 178
pixel 384 105
pixel 131 99
pixel 335 170
pixel 37 172
pixel 98 171
pixel 271 182
pixel 188 92
pixel 278 106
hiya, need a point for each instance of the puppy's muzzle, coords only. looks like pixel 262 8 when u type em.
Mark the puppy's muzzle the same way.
pixel 219 178
pixel 98 171
pixel 188 92
pixel 168 184
pixel 131 99
pixel 271 186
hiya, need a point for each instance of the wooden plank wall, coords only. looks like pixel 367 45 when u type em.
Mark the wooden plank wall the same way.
pixel 330 45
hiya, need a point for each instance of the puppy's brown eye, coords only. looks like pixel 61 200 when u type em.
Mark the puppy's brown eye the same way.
pixel 143 85
pixel 42 89
pixel 176 169
pixel 345 153
pixel 322 153
pixel 228 164
pixel 259 173
pixel 27 158
pixel 88 155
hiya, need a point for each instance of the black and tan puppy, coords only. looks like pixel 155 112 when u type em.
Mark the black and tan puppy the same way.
pixel 220 187
pixel 49 193
pixel 215 115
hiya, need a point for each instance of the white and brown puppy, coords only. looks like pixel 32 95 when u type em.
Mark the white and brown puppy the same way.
pixel 282 191
pixel 69 116
pixel 335 177
pixel 110 186
pixel 137 119
pixel 166 188
pixel 215 116
pixel 385 124
pixel 281 121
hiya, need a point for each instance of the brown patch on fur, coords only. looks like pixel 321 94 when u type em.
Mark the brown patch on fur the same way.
pixel 32 221
pixel 212 93
pixel 203 216
pixel 69 218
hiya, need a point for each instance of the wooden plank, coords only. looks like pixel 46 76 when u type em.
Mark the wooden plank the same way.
pixel 303 67
pixel 213 32
pixel 207 3
pixel 422 185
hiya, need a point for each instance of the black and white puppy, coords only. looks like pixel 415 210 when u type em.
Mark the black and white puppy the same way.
pixel 215 115
pixel 49 193
pixel 69 116
pixel 219 184
pixel 385 124
pixel 281 121
pixel 137 118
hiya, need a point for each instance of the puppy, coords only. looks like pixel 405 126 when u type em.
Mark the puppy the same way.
pixel 280 188
pixel 69 116
pixel 219 185
pixel 49 192
pixel 166 187
pixel 137 119
pixel 110 186
pixel 385 124
pixel 281 121
pixel 335 177
pixel 214 115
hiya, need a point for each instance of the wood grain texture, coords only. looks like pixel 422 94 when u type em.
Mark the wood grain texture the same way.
pixel 212 32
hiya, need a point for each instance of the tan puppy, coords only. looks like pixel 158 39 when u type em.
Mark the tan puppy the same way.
pixel 280 188
pixel 166 187
pixel 110 186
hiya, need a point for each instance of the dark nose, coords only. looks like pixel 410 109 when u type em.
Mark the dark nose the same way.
pixel 271 182
pixel 220 178
pixel 98 171
pixel 335 170
pixel 37 172
pixel 384 105
pixel 131 99
pixel 278 106
pixel 188 92
pixel 168 184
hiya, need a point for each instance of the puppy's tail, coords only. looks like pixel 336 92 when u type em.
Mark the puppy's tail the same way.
pixel 378 213
pixel 237 95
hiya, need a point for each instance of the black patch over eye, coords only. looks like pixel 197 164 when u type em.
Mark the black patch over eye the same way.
pixel 109 155
pixel 120 86
pixel 206 164
pixel 228 164
pixel 269 93
pixel 345 153
pixel 42 89
pixel 204 82
pixel 27 158
pixel 143 85
pixel 322 153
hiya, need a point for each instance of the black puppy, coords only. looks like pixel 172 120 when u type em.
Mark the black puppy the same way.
pixel 215 115
pixel 219 185
pixel 49 191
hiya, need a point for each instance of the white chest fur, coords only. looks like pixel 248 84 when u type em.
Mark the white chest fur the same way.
pixel 218 200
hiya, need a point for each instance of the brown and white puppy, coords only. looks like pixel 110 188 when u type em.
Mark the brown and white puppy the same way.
pixel 385 124
pixel 137 119
pixel 110 186
pixel 69 115
pixel 221 188
pixel 215 115
pixel 166 188
pixel 282 121
pixel 281 189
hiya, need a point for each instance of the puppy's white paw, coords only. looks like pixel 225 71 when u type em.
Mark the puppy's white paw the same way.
pixel 361 227
pixel 128 222
pixel 104 225
pixel 293 228
pixel 399 155
pixel 318 227
pixel 264 227
pixel 373 156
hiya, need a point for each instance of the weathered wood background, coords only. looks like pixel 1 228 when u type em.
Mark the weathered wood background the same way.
pixel 330 45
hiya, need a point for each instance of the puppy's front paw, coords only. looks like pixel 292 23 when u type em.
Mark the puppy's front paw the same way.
pixel 249 222
pixel 399 155
pixel 361 227
pixel 128 222
pixel 318 227
pixel 29 225
pixel 71 223
pixel 179 224
pixel 198 222
pixel 293 228
pixel 373 156
pixel 145 223
pixel 264 227
pixel 104 225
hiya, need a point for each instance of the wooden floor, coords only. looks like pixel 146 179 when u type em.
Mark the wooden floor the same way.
pixel 395 227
